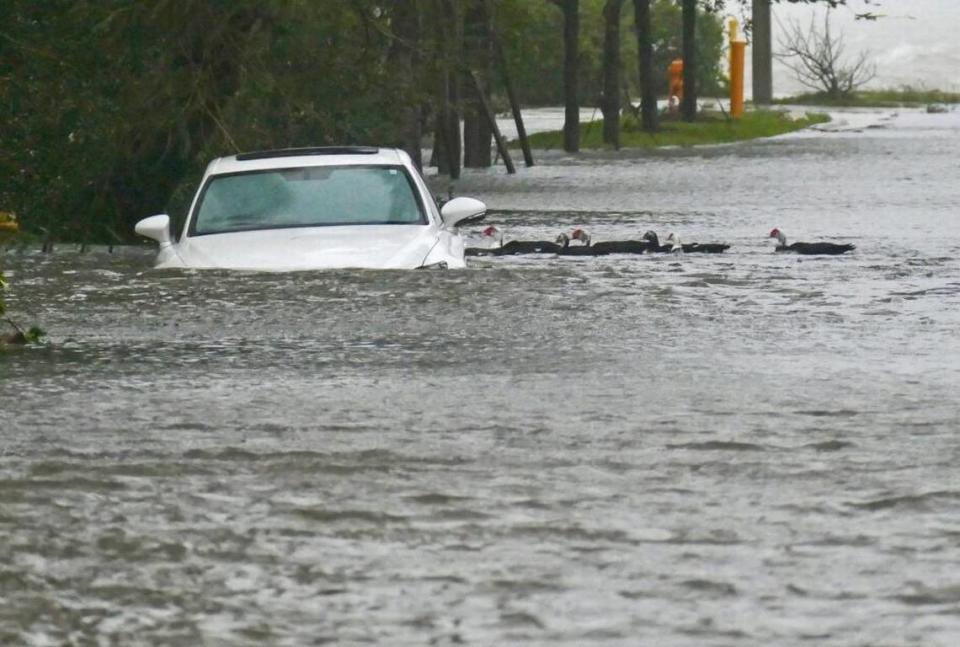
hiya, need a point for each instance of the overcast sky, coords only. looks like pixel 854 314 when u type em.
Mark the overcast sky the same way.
pixel 915 42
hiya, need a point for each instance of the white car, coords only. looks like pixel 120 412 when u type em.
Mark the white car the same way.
pixel 315 208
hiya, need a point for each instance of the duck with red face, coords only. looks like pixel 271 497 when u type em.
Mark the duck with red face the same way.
pixel 602 248
pixel 512 247
pixel 809 248
pixel 579 235
pixel 673 245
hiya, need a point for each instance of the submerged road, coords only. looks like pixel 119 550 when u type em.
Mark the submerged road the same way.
pixel 744 449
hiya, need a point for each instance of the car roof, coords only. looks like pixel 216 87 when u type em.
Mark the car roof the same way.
pixel 299 157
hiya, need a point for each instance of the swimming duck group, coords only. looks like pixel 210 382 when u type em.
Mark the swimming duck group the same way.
pixel 579 243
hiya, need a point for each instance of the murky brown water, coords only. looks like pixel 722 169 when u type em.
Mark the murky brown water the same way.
pixel 746 449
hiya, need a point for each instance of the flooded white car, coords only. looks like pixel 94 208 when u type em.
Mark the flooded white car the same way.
pixel 314 208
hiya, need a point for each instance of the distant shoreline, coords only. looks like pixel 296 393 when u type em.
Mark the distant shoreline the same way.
pixel 711 127
pixel 884 98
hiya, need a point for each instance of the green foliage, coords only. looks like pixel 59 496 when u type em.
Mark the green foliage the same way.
pixel 532 33
pixel 32 335
pixel 711 128
pixel 533 30
pixel 9 227
pixel 117 105
pixel 667 37
pixel 22 337
pixel 35 335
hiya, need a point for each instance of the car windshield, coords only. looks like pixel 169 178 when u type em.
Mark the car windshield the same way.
pixel 313 196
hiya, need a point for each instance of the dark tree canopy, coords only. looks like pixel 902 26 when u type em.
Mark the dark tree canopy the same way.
pixel 113 108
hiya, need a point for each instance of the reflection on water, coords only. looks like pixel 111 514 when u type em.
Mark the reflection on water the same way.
pixel 746 449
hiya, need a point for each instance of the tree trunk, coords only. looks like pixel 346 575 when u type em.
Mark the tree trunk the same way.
pixel 441 129
pixel 611 73
pixel 514 102
pixel 648 81
pixel 406 59
pixel 456 53
pixel 491 120
pixel 471 134
pixel 688 107
pixel 471 109
pixel 449 37
pixel 762 54
pixel 571 65
pixel 479 57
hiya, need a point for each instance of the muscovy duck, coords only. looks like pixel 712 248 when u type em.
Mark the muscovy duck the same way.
pixel 690 248
pixel 512 247
pixel 702 248
pixel 611 246
pixel 656 247
pixel 809 248
pixel 566 249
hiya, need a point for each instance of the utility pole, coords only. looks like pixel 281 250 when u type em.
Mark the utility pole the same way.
pixel 762 54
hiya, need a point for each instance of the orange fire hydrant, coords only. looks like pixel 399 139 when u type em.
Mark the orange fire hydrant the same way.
pixel 675 69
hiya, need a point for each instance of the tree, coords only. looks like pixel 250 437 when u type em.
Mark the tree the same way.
pixel 448 44
pixel 114 108
pixel 688 106
pixel 817 59
pixel 648 89
pixel 478 58
pixel 405 56
pixel 610 104
pixel 762 53
pixel 760 29
pixel 571 72
pixel 759 25
pixel 532 33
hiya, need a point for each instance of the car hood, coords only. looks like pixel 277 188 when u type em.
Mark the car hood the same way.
pixel 309 248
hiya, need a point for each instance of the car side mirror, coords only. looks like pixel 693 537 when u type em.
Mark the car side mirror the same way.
pixel 155 227
pixel 460 211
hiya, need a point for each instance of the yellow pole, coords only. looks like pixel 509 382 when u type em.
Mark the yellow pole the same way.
pixel 737 55
pixel 737 51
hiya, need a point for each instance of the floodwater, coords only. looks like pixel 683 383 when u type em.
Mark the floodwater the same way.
pixel 748 449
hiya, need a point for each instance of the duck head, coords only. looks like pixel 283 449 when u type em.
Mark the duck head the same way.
pixel 494 233
pixel 674 242
pixel 563 240
pixel 582 236
pixel 651 236
pixel 776 233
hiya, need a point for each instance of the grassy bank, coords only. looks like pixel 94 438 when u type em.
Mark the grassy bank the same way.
pixel 710 128
pixel 905 96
